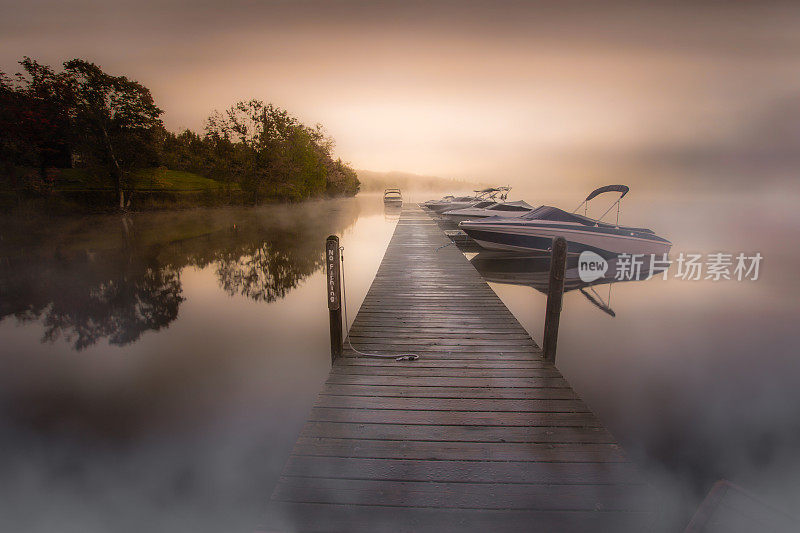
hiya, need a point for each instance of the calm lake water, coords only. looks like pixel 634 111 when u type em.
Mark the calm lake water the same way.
pixel 155 370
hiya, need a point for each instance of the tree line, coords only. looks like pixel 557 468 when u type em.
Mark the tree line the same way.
pixel 110 125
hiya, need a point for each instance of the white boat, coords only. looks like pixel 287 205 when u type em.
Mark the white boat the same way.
pixel 450 202
pixel 488 209
pixel 457 202
pixel 392 197
pixel 534 231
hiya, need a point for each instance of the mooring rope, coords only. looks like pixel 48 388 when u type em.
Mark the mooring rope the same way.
pixel 402 357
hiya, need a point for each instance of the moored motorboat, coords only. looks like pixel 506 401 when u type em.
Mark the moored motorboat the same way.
pixel 534 231
pixel 488 209
pixel 451 202
pixel 457 202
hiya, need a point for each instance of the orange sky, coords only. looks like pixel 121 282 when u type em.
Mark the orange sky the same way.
pixel 462 89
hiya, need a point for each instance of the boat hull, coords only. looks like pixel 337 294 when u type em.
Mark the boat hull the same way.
pixel 540 239
pixel 441 208
pixel 454 217
pixel 461 218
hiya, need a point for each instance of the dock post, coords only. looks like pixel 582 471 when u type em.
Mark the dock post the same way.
pixel 334 293
pixel 555 295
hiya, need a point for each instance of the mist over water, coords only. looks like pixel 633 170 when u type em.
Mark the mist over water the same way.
pixel 155 370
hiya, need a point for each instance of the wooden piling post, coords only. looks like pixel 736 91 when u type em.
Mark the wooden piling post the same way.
pixel 333 284
pixel 555 296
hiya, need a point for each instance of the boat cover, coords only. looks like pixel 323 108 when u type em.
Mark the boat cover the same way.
pixel 547 212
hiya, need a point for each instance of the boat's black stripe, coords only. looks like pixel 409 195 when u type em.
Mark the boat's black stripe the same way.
pixel 532 242
pixel 591 229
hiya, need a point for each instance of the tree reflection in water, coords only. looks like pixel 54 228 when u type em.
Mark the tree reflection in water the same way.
pixel 121 309
pixel 102 283
pixel 266 273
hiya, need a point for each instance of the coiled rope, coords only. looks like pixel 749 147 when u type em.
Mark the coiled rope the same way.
pixel 402 357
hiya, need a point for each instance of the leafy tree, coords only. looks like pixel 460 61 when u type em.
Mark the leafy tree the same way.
pixel 11 141
pixel 115 121
pixel 184 151
pixel 248 140
pixel 342 179
pixel 267 150
pixel 34 124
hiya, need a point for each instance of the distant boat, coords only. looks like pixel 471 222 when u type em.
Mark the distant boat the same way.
pixel 534 231
pixel 488 209
pixel 392 197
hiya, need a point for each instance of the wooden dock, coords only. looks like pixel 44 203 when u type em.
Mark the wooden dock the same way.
pixel 479 434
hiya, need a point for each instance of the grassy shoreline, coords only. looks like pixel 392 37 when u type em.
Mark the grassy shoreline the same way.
pixel 70 191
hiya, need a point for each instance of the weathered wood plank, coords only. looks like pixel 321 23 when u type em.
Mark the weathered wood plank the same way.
pixel 401 371
pixel 499 393
pixel 460 355
pixel 457 381
pixel 453 451
pixel 453 404
pixel 380 519
pixel 463 495
pixel 454 418
pixel 447 363
pixel 347 430
pixel 464 471
pixel 497 343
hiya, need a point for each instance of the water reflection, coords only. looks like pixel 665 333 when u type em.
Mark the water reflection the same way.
pixel 122 278
pixel 391 212
pixel 534 271
pixel 86 298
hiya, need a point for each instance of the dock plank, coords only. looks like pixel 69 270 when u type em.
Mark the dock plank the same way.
pixel 479 434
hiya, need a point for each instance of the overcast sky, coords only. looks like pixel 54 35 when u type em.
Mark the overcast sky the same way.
pixel 461 89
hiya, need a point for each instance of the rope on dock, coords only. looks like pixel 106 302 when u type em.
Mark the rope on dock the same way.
pixel 402 357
